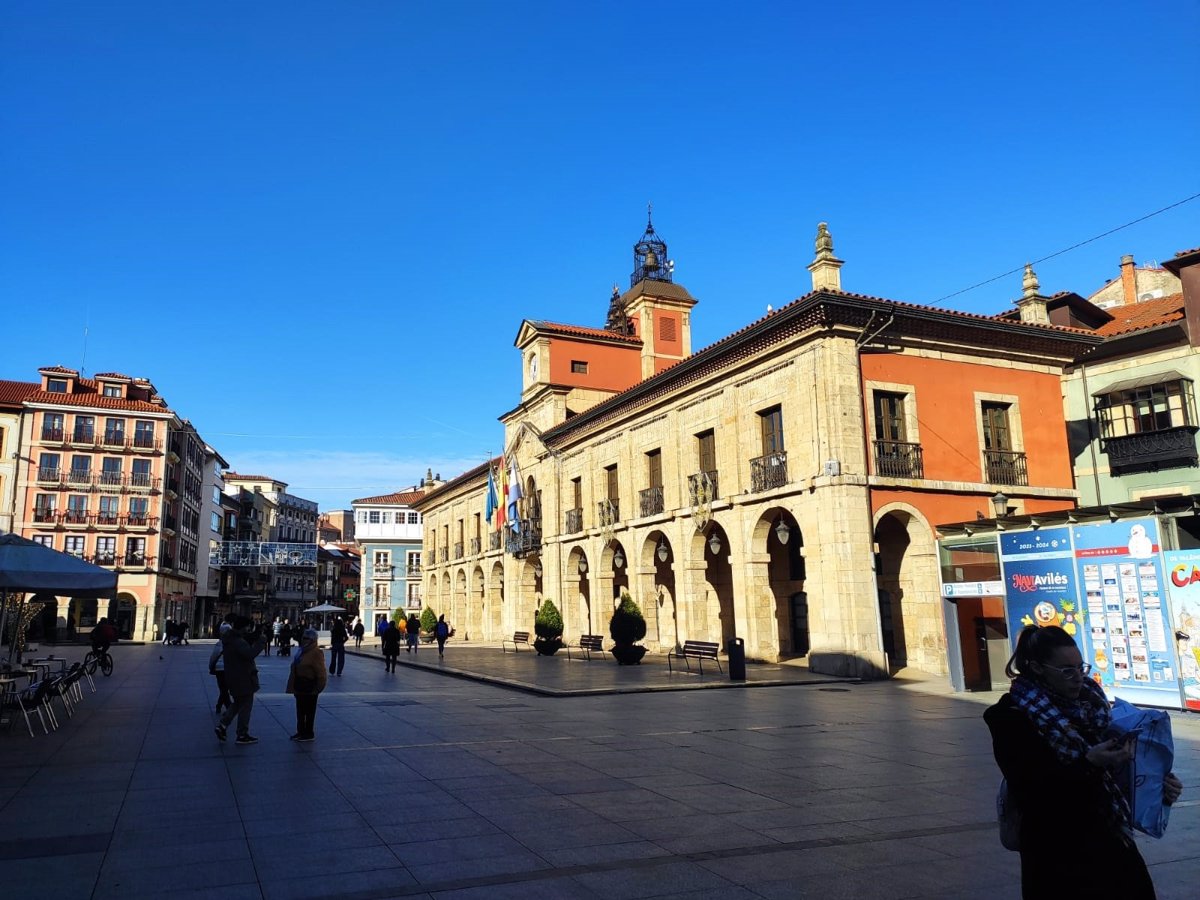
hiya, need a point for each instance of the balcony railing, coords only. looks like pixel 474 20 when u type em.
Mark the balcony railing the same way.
pixel 104 559
pixel 381 571
pixel 79 476
pixel 475 544
pixel 458 549
pixel 110 479
pixel 136 521
pixel 84 436
pixel 47 475
pixel 608 512
pixel 443 554
pixel 410 571
pixel 146 442
pixel 108 520
pixel 45 514
pixel 898 459
pixel 1006 467
pixel 135 561
pixel 494 542
pixel 140 482
pixel 650 501
pixel 574 522
pixel 767 472
pixel 1152 450
pixel 52 434
pixel 526 539
pixel 75 517
pixel 114 439
pixel 702 487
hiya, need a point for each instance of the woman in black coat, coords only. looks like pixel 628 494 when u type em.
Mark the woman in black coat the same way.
pixel 1051 739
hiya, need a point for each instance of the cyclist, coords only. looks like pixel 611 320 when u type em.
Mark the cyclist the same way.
pixel 103 636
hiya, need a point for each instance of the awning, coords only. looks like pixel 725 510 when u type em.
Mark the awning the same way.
pixel 1142 381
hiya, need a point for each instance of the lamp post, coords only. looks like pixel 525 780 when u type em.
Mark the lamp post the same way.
pixel 1000 505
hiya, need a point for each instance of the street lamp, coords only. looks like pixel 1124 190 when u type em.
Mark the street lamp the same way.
pixel 663 553
pixel 537 569
pixel 618 558
pixel 1000 505
pixel 782 531
pixel 714 543
pixel 583 565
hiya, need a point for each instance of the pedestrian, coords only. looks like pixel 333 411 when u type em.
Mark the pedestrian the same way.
pixel 391 647
pixel 359 631
pixel 413 633
pixel 285 639
pixel 441 631
pixel 276 630
pixel 1052 741
pixel 240 645
pixel 183 632
pixel 168 627
pixel 337 647
pixel 381 626
pixel 216 668
pixel 306 680
pixel 402 626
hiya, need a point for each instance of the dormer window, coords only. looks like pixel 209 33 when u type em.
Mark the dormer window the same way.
pixel 56 385
pixel 112 390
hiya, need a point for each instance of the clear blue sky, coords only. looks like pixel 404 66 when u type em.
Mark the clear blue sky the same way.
pixel 316 226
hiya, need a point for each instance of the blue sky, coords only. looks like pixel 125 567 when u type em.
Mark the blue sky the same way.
pixel 316 226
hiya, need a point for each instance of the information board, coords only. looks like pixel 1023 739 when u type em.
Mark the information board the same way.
pixel 1183 589
pixel 1040 583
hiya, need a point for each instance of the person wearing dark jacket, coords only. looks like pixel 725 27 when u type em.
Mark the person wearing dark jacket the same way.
pixel 359 633
pixel 413 633
pixel 1052 741
pixel 337 646
pixel 241 677
pixel 216 668
pixel 391 647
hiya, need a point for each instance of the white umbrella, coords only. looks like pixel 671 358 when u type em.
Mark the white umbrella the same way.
pixel 325 609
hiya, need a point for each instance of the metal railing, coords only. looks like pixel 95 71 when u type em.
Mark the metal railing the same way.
pixel 75 517
pixel 525 539
pixel 650 501
pixel 899 459
pixel 767 472
pixel 494 542
pixel 1151 450
pixel 146 442
pixel 84 436
pixel 380 571
pixel 52 434
pixel 47 475
pixel 45 514
pixel 574 521
pixel 444 554
pixel 1006 467
pixel 114 439
pixel 79 476
pixel 458 549
pixel 475 545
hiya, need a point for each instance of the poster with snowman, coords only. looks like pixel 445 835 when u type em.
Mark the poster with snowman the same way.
pixel 1129 634
pixel 1183 589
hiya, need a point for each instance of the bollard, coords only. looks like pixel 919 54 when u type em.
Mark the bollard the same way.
pixel 736 648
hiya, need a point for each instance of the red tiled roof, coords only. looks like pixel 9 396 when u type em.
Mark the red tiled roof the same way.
pixel 584 331
pixel 87 393
pixel 113 375
pixel 16 392
pixel 60 370
pixel 1146 314
pixel 239 477
pixel 399 498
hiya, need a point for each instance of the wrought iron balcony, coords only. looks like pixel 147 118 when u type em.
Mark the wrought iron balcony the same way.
pixel 381 571
pixel 899 459
pixel 75 517
pixel 444 554
pixel 458 549
pixel 110 479
pixel 525 540
pixel 47 475
pixel 84 436
pixel 494 542
pixel 650 501
pixel 79 476
pixel 105 559
pixel 574 521
pixel 608 512
pixel 45 514
pixel 1152 450
pixel 1006 467
pixel 140 521
pixel 141 482
pixel 146 442
pixel 768 471
pixel 114 439
pixel 475 543
pixel 52 434
pixel 108 520
pixel 702 487
pixel 411 571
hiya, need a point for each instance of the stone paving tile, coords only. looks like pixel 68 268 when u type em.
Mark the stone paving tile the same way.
pixel 455 849
pixel 338 883
pixel 165 880
pixel 64 876
pixel 489 866
pixel 557 888
pixel 665 878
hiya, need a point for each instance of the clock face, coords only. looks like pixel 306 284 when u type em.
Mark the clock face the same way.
pixel 533 367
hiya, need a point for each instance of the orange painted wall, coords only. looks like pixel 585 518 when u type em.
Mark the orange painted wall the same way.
pixel 672 347
pixel 610 368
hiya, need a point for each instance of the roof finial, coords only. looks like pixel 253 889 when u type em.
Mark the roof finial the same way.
pixel 649 217
pixel 1029 283
pixel 824 241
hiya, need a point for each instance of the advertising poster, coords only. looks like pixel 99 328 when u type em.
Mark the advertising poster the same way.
pixel 1183 588
pixel 1125 607
pixel 1040 585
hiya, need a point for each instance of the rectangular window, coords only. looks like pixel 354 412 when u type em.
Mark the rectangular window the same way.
pixel 110 470
pixel 1146 409
pixel 383 558
pixel 706 451
pixel 56 386
pixel 74 544
pixel 996 434
pixel 579 367
pixel 135 551
pixel 85 429
pixel 611 483
pixel 106 551
pixel 114 431
pixel 889 416
pixel 46 540
pixel 373 517
pixel 577 492
pixel 414 518
pixel 143 433
pixel 48 467
pixel 771 423
pixel 110 508
pixel 77 508
pixel 216 495
pixel 52 427
pixel 215 524
pixel 414 561
pixel 140 476
pixel 112 390
pixel 138 507
pixel 654 469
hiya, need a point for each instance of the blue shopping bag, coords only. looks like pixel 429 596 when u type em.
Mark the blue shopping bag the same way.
pixel 1141 779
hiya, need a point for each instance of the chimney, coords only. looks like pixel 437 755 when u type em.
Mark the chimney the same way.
pixel 825 269
pixel 1186 267
pixel 1128 280
pixel 1032 305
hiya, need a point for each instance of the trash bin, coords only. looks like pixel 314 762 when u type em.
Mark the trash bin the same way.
pixel 736 648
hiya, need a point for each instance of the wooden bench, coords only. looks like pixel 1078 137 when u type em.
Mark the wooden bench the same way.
pixel 518 638
pixel 588 644
pixel 698 650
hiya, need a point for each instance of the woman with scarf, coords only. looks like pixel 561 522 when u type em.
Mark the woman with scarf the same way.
pixel 1051 738
pixel 307 678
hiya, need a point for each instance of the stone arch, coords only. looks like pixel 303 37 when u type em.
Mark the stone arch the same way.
pixel 777 602
pixel 495 601
pixel 431 593
pixel 656 587
pixel 709 613
pixel 585 614
pixel 443 597
pixel 457 614
pixel 610 578
pixel 476 605
pixel 910 611
pixel 528 593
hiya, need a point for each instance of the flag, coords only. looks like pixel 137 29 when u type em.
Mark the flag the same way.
pixel 514 496
pixel 500 505
pixel 491 495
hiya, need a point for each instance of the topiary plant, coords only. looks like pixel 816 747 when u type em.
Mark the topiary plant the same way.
pixel 399 613
pixel 428 619
pixel 548 622
pixel 627 625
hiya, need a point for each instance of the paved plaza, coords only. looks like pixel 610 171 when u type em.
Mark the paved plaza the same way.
pixel 421 785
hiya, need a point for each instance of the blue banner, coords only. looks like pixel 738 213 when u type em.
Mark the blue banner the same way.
pixel 1040 586
pixel 1126 608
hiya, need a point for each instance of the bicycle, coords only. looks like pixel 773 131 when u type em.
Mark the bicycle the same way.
pixel 103 660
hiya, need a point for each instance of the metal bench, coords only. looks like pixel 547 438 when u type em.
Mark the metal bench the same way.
pixel 697 650
pixel 588 644
pixel 518 638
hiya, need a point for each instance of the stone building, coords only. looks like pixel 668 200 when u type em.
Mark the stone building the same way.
pixel 778 486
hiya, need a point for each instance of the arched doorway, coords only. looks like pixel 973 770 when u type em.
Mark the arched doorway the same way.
pixel 529 596
pixel 443 597
pixel 577 580
pixel 713 548
pixel 495 602
pixel 658 589
pixel 476 606
pixel 909 599
pixel 778 534
pixel 457 616
pixel 126 615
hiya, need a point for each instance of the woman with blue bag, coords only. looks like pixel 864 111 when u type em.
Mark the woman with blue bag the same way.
pixel 1050 739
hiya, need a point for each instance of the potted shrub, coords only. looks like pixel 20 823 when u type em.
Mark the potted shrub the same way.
pixel 626 627
pixel 548 625
pixel 428 623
